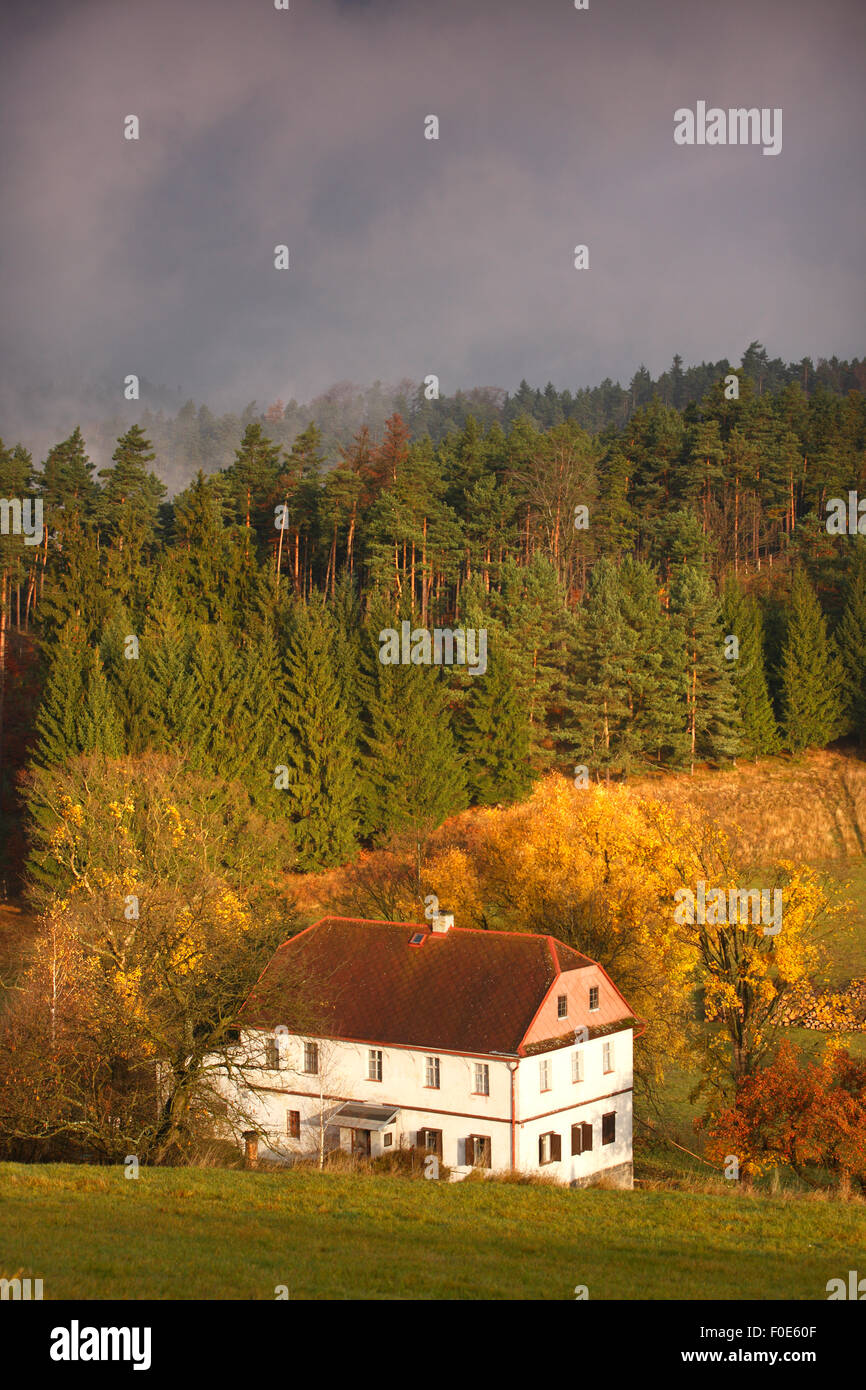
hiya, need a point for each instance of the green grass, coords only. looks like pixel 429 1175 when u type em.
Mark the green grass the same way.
pixel 194 1233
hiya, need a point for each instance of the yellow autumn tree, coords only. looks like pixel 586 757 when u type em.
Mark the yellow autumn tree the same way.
pixel 158 886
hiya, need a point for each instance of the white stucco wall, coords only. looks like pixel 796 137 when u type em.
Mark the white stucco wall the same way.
pixel 455 1107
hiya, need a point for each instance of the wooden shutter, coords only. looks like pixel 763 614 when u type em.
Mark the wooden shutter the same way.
pixel 437 1141
pixel 555 1148
pixel 576 1145
pixel 470 1150
pixel 541 1139
pixel 587 1137
pixel 422 1139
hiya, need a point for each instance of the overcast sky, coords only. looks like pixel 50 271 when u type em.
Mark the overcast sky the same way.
pixel 408 255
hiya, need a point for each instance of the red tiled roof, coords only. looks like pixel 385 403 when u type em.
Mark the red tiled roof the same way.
pixel 460 991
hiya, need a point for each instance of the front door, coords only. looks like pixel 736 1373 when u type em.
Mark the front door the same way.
pixel 361 1143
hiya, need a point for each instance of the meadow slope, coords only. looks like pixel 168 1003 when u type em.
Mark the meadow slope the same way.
pixel 193 1233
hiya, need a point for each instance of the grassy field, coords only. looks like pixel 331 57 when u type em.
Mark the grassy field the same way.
pixel 194 1233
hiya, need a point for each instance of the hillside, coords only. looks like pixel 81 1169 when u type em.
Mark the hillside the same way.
pixel 218 1235
pixel 811 808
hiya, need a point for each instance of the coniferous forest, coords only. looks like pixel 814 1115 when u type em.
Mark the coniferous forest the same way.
pixel 657 591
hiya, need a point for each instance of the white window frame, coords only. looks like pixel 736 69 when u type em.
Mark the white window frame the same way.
pixel 432 1073
pixel 607 1056
pixel 374 1064
pixel 577 1067
pixel 544 1074
pixel 482 1079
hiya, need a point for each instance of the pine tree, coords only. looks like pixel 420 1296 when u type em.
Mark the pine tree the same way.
pixel 253 479
pixel 67 482
pixel 494 735
pixel 742 619
pixel 319 750
pixel 812 674
pixel 851 641
pixel 712 720
pixel 131 494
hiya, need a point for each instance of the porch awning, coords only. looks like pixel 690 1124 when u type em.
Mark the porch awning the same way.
pixel 356 1115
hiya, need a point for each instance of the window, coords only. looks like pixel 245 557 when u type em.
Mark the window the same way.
pixel 432 1073
pixel 272 1055
pixel 293 1124
pixel 478 1150
pixel 593 996
pixel 577 1066
pixel 374 1065
pixel 549 1148
pixel 581 1138
pixel 417 939
pixel 387 1141
pixel 482 1079
pixel 544 1075
pixel 562 1006
pixel 430 1140
pixel 607 1056
pixel 608 1128
pixel 311 1059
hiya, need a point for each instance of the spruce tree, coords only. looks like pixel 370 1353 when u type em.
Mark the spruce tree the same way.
pixel 742 619
pixel 101 725
pixel 655 677
pixel 712 720
pixel 166 657
pixel 216 730
pixel 319 751
pixel 58 722
pixel 494 735
pixel 600 735
pixel 851 641
pixel 412 774
pixel 812 674
pixel 126 678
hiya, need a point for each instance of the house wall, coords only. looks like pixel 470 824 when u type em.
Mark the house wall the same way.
pixel 575 985
pixel 570 1102
pixel 454 1108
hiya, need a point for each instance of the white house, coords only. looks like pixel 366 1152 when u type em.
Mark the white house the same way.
pixel 500 1050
